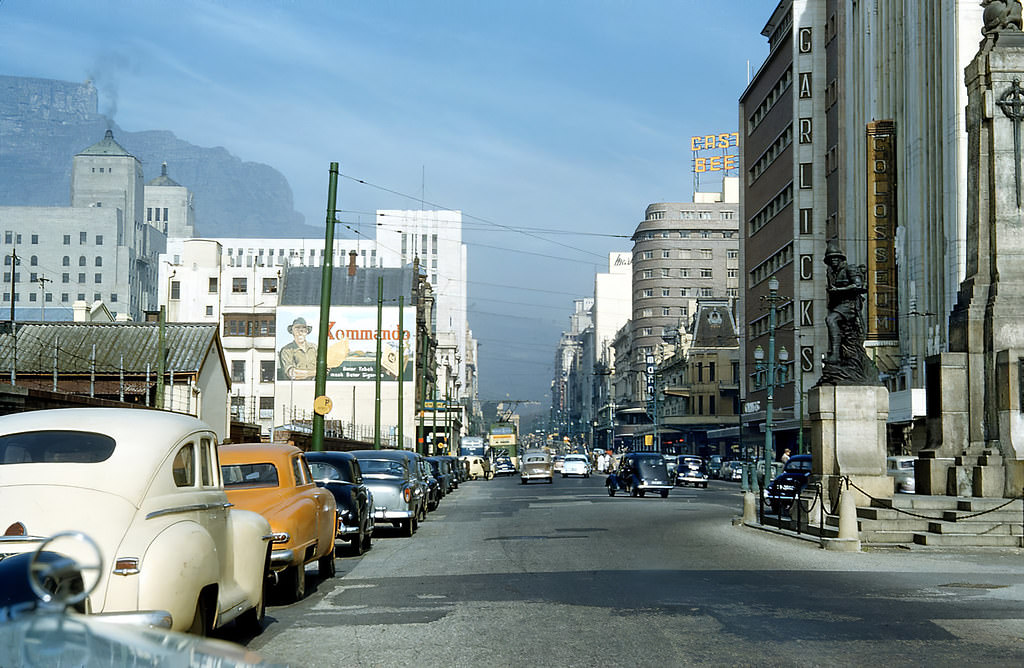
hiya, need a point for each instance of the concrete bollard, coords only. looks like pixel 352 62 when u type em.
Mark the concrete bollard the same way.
pixel 749 508
pixel 849 536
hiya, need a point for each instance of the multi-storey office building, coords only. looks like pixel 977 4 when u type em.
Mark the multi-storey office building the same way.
pixel 681 252
pixel 235 282
pixel 783 208
pixel 98 249
pixel 852 131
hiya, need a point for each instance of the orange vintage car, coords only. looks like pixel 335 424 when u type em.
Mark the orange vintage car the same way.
pixel 273 479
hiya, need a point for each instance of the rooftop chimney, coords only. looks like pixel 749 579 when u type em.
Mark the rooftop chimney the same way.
pixel 352 262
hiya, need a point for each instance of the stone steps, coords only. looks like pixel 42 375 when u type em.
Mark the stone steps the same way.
pixel 945 521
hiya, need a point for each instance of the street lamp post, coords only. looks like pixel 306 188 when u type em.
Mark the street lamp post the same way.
pixel 772 378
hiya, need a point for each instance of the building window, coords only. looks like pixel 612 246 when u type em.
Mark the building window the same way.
pixel 99 239
pixel 706 254
pixel 81 261
pixel 8 237
pixel 149 214
pixel 647 273
pixel 64 297
pixel 81 277
pixel 655 215
pixel 237 371
pixel 666 255
pixel 647 331
pixel 665 272
pixel 65 278
pixel 113 297
pixel 34 261
pixel 175 289
pixel 684 273
pixel 707 292
pixel 97 297
pixel 81 296
pixel 209 310
pixel 238 285
pixel 732 273
pixel 99 278
pixel 7 277
pixel 269 286
pixel 649 292
pixel 665 292
pixel 82 237
pixel 665 310
pixel 33 277
pixel 732 254
pixel 266 371
pixel 67 239
pixel 646 313
pixel 248 324
pixel 647 255
pixel 213 287
pixel 66 261
pixel 99 261
pixel 35 239
pixel 706 273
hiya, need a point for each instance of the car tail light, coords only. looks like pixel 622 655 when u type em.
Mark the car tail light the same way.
pixel 407 494
pixel 126 566
pixel 16 529
pixel 280 537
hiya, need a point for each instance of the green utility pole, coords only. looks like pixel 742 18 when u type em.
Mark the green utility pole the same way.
pixel 161 358
pixel 380 325
pixel 422 444
pixel 401 368
pixel 326 274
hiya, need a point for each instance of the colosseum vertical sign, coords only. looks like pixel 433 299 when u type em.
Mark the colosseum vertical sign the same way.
pixel 882 322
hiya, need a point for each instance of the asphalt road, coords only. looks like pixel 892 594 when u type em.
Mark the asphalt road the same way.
pixel 563 575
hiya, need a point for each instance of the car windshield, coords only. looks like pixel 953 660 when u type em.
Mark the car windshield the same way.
pixel 906 464
pixel 55 447
pixel 577 458
pixel 249 475
pixel 536 460
pixel 382 467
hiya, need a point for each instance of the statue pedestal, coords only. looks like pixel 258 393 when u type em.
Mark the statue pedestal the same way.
pixel 848 439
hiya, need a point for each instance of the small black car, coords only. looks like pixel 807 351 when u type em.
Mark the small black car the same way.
pixel 504 466
pixel 786 487
pixel 639 473
pixel 340 474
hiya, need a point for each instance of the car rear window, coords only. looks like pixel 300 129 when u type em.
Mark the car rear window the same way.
pixel 55 447
pixel 382 467
pixel 249 475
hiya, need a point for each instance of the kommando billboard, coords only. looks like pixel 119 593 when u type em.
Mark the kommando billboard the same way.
pixel 351 343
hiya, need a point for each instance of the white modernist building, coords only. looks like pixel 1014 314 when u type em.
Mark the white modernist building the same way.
pixel 435 237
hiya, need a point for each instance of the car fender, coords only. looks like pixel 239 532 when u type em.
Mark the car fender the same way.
pixel 178 564
pixel 250 537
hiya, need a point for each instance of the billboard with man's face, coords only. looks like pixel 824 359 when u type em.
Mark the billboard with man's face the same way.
pixel 351 343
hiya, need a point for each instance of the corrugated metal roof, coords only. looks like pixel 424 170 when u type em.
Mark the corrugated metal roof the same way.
pixel 188 346
pixel 301 286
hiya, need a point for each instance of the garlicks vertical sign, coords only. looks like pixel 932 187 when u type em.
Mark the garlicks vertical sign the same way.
pixel 882 323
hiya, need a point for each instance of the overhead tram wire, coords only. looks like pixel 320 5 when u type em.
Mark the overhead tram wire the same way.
pixel 478 218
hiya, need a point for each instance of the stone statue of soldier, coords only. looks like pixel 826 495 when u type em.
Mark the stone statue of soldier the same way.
pixel 845 363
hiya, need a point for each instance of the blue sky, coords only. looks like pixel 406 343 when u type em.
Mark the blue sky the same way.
pixel 565 116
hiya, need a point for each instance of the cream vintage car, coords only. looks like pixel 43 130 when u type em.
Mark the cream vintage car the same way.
pixel 146 486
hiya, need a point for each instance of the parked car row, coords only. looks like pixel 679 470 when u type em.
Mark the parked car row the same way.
pixel 194 535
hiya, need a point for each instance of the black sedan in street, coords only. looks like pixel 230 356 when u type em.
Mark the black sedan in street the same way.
pixel 786 487
pixel 639 473
pixel 339 473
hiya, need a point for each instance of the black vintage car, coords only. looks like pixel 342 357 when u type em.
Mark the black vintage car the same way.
pixel 340 474
pixel 441 469
pixel 786 487
pixel 639 473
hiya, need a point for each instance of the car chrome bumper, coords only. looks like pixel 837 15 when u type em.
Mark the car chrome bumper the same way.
pixel 385 514
pixel 281 559
pixel 346 530
pixel 155 619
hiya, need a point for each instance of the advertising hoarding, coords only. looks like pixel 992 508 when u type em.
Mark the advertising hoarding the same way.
pixel 351 343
